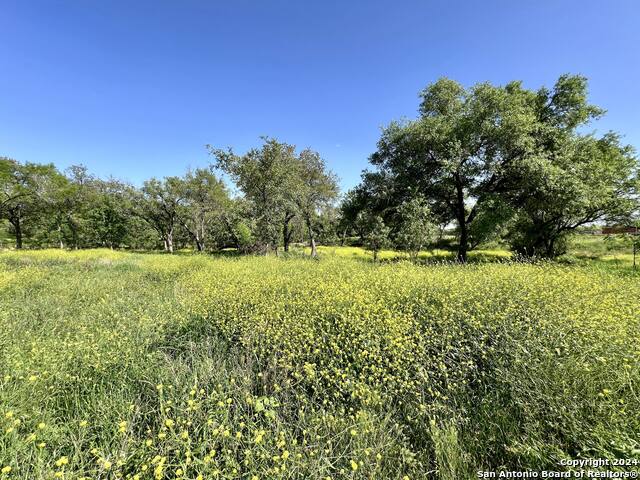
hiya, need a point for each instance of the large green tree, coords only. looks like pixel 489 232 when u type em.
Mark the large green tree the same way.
pixel 416 227
pixel 23 188
pixel 264 175
pixel 280 186
pixel 202 202
pixel 376 234
pixel 482 155
pixel 315 188
pixel 158 204
pixel 108 216
pixel 584 179
pixel 573 178
pixel 67 200
pixel 459 152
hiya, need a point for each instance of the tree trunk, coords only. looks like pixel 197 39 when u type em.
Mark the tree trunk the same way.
pixel 74 232
pixel 314 250
pixel 14 219
pixel 463 244
pixel 550 249
pixel 169 241
pixel 202 234
pixel 286 231
pixel 60 239
pixel 18 229
pixel 462 247
pixel 312 240
pixel 343 239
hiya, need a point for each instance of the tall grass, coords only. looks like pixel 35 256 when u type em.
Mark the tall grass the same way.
pixel 116 365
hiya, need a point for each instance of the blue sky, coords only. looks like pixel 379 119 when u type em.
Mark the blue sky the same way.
pixel 135 89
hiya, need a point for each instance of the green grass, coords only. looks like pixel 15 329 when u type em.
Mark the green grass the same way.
pixel 427 256
pixel 610 251
pixel 120 365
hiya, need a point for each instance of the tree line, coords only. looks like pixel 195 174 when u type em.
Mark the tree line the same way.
pixel 488 162
pixel 287 196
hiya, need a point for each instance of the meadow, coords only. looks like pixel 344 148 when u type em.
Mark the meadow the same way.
pixel 118 365
pixel 609 252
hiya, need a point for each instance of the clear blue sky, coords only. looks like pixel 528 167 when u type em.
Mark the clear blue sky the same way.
pixel 137 88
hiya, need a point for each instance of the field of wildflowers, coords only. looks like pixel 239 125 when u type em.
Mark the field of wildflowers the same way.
pixel 144 366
